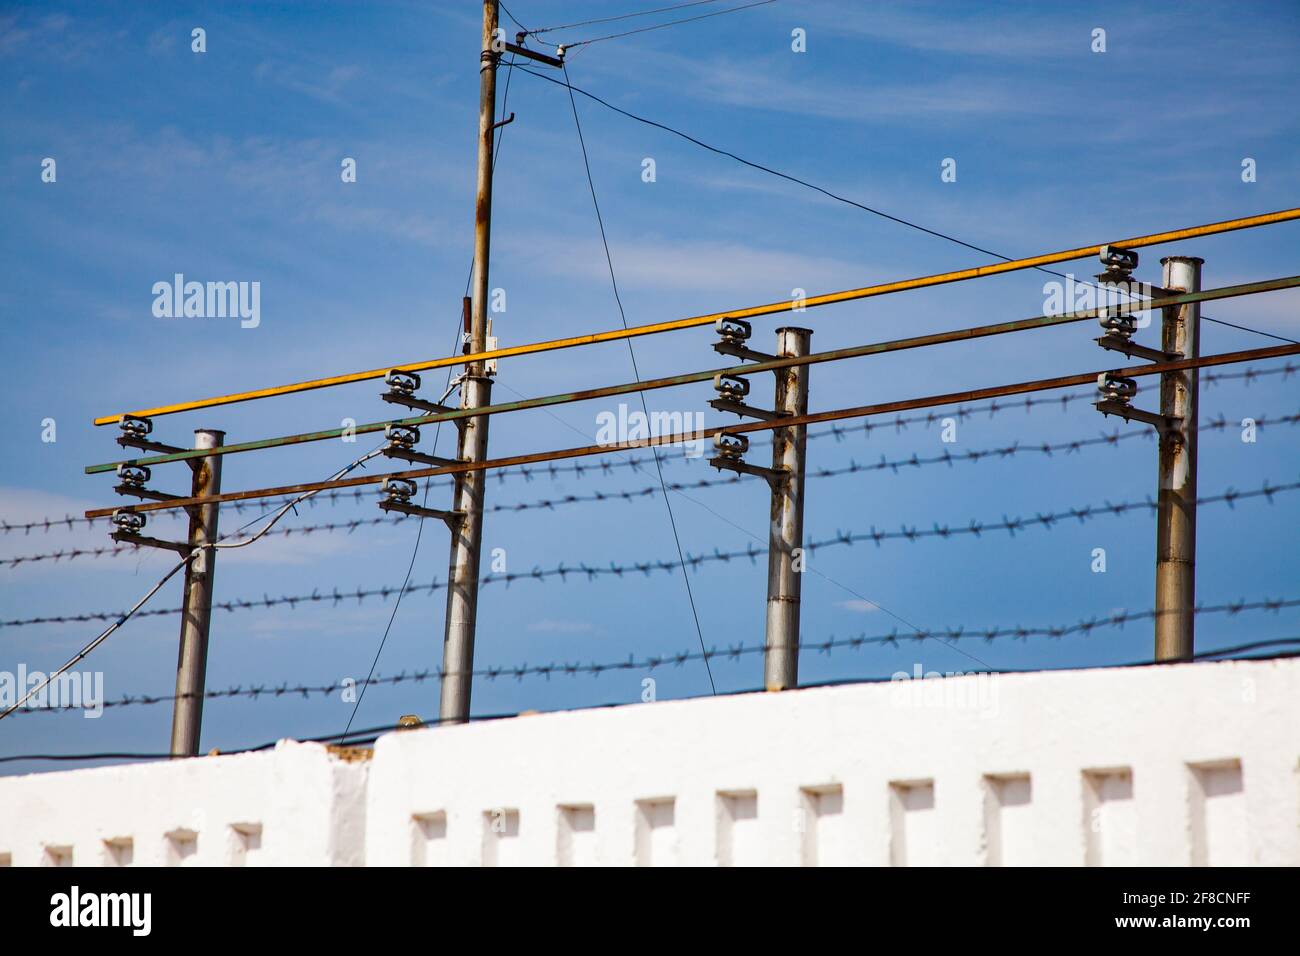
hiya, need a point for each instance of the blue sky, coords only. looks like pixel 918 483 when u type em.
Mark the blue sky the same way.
pixel 225 166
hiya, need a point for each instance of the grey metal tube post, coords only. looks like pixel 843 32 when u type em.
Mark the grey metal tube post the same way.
pixel 196 608
pixel 476 390
pixel 785 537
pixel 1176 515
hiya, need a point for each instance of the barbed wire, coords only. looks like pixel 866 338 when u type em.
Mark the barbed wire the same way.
pixel 635 463
pixel 841 538
pixel 731 653
pixel 68 554
pixel 884 464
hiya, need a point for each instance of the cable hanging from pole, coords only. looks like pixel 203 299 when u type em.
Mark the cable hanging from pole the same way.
pixel 837 197
pixel 636 373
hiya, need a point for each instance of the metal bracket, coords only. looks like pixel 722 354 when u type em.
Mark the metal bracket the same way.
pixel 732 336
pixel 129 524
pixel 771 475
pixel 731 450
pixel 134 430
pixel 739 351
pixel 398 398
pixel 147 445
pixel 142 541
pixel 400 491
pixel 505 122
pixel 1118 343
pixel 135 491
pixel 418 457
pixel 452 518
pixel 1115 397
pixel 402 386
pixel 740 408
pixel 518 50
pixel 402 440
pixel 1165 424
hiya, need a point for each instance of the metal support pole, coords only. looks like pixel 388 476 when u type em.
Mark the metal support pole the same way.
pixel 476 391
pixel 196 609
pixel 784 566
pixel 1176 518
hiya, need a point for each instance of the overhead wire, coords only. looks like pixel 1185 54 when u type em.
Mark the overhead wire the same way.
pixel 1247 328
pixel 636 373
pixel 836 196
pixel 622 16
pixel 660 26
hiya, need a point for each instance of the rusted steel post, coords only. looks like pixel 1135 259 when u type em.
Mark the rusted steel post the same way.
pixel 196 608
pixel 785 557
pixel 475 391
pixel 1176 517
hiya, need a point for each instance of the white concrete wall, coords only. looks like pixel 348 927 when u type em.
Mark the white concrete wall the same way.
pixel 1189 764
pixel 1165 766
pixel 297 804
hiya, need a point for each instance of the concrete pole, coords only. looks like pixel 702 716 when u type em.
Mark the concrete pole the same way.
pixel 1176 518
pixel 784 567
pixel 196 609
pixel 475 391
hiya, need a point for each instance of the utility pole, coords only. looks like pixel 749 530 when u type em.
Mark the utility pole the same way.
pixel 785 557
pixel 475 391
pixel 196 609
pixel 784 566
pixel 1176 517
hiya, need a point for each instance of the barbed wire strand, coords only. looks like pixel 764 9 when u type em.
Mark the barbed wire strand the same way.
pixel 731 653
pixel 944 532
pixel 894 466
pixel 636 373
pixel 635 463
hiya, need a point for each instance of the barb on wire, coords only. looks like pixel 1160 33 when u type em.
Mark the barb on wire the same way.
pixel 563 571
pixel 732 652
